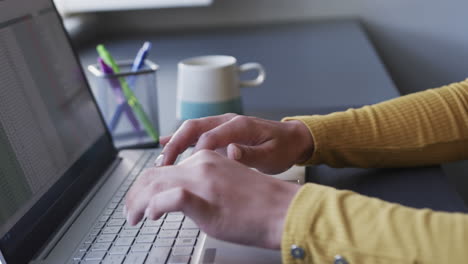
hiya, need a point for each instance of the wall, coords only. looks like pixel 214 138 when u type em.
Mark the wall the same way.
pixel 422 42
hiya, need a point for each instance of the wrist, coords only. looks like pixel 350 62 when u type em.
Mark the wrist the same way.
pixel 304 141
pixel 278 219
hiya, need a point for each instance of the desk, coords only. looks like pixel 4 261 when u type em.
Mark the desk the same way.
pixel 309 65
pixel 311 68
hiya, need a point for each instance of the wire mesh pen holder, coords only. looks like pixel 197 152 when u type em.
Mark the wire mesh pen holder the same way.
pixel 123 122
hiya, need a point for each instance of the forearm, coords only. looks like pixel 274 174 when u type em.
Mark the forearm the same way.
pixel 326 222
pixel 424 128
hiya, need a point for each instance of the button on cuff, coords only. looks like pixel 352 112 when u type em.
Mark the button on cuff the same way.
pixel 297 252
pixel 340 260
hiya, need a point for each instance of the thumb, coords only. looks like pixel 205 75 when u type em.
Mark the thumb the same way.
pixel 248 155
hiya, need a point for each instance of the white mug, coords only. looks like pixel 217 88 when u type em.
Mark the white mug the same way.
pixel 210 85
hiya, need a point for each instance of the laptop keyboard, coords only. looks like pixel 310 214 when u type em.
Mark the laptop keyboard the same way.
pixel 169 240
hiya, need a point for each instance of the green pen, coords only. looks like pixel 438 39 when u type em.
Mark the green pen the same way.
pixel 128 93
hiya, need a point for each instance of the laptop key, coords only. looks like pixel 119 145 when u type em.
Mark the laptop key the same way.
pixel 145 238
pixel 84 247
pixel 106 238
pixel 90 262
pixel 79 255
pixel 89 239
pixel 152 223
pixel 171 226
pixel 119 193
pixel 174 218
pixel 120 207
pixel 94 232
pixel 128 182
pixel 95 255
pixel 116 222
pixel 119 250
pixel 136 258
pixel 149 230
pixel 100 246
pixel 164 242
pixel 112 205
pixel 124 241
pixel 137 226
pixel 185 242
pixel 167 233
pixel 118 215
pixel 128 233
pixel 99 225
pixel 107 212
pixel 182 251
pixel 114 259
pixel 179 260
pixel 158 255
pixel 116 199
pixel 189 224
pixel 188 233
pixel 111 230
pixel 104 218
pixel 175 213
pixel 141 248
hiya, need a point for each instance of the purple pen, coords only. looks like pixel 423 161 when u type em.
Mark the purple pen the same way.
pixel 122 105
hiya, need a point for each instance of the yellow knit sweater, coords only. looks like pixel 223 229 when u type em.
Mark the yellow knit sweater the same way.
pixel 424 128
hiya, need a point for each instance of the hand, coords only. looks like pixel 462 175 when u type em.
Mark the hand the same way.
pixel 226 199
pixel 269 146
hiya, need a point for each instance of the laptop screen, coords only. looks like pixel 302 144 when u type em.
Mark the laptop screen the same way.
pixel 48 118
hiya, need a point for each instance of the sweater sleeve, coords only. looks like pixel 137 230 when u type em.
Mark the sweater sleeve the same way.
pixel 325 223
pixel 423 128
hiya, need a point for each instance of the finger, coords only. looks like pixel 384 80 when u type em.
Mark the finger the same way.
pixel 179 200
pixel 188 135
pixel 134 206
pixel 141 193
pixel 145 177
pixel 240 129
pixel 221 151
pixel 252 156
pixel 164 140
pixel 137 205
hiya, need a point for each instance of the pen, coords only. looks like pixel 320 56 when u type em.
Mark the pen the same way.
pixel 138 62
pixel 122 103
pixel 128 93
pixel 141 56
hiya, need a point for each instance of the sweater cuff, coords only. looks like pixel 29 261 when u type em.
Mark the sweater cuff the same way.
pixel 299 221
pixel 318 130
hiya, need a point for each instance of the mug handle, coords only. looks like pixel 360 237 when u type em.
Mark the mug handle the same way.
pixel 253 66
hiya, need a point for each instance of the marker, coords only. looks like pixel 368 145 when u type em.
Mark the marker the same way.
pixel 120 97
pixel 138 63
pixel 128 93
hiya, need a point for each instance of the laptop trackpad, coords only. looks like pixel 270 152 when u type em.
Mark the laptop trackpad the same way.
pixel 220 252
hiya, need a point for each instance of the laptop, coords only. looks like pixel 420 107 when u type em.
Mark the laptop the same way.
pixel 62 183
